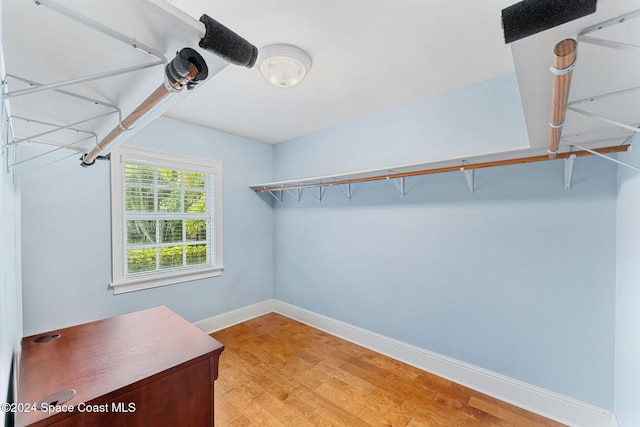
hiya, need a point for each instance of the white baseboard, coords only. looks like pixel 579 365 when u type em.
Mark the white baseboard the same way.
pixel 234 317
pixel 535 399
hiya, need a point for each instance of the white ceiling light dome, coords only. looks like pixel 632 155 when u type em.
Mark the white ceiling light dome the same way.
pixel 283 65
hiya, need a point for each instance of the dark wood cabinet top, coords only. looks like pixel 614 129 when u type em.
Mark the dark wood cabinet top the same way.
pixel 102 359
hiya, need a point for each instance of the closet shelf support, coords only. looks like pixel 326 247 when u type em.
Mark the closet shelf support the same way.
pixel 603 119
pixel 468 176
pixel 347 192
pixel 59 127
pixel 70 94
pixel 101 28
pixel 614 44
pixel 320 193
pixel 62 147
pixel 85 79
pixel 273 193
pixel 611 159
pixel 400 184
pixel 568 171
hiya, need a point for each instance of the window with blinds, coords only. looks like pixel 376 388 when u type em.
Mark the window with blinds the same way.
pixel 167 219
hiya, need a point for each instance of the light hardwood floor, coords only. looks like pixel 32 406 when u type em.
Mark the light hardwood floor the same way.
pixel 275 371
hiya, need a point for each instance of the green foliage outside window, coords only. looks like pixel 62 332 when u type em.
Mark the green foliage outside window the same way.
pixel 141 260
pixel 178 199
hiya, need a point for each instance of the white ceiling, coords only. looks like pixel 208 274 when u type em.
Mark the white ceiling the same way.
pixel 368 56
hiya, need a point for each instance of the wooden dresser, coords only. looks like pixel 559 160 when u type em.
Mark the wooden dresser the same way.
pixel 148 368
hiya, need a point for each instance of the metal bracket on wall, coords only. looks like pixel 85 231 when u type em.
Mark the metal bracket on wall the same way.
pixel 273 193
pixel 468 176
pixel 400 184
pixel 346 193
pixel 583 37
pixel 631 127
pixel 56 128
pixel 319 195
pixel 611 159
pixel 568 171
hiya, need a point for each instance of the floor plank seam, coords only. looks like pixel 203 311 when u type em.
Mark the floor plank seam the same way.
pixel 278 372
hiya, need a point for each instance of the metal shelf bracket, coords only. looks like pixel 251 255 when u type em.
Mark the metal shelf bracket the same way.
pixel 347 192
pixel 583 37
pixel 400 184
pixel 568 171
pixel 611 159
pixel 273 193
pixel 468 176
pixel 320 193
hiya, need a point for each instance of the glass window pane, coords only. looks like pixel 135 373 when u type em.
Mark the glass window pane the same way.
pixel 196 254
pixel 194 201
pixel 196 230
pixel 194 180
pixel 171 256
pixel 139 175
pixel 169 201
pixel 169 178
pixel 139 199
pixel 167 218
pixel 171 231
pixel 139 260
pixel 141 232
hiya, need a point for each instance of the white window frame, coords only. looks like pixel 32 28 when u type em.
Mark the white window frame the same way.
pixel 122 283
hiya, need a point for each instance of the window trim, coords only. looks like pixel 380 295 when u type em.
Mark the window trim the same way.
pixel 120 156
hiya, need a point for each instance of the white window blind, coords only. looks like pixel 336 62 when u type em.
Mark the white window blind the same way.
pixel 166 219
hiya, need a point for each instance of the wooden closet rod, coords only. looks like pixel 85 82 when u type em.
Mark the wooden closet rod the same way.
pixel 185 70
pixel 564 58
pixel 521 160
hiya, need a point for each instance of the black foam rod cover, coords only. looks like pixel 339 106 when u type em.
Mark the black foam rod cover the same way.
pixel 223 42
pixel 529 17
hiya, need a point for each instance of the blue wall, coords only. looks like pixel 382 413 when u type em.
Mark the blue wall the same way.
pixel 10 307
pixel 67 244
pixel 453 124
pixel 518 278
pixel 627 370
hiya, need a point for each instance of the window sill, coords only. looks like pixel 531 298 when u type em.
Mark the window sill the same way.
pixel 148 282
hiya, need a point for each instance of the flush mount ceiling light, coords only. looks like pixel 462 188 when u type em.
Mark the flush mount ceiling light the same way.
pixel 283 65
